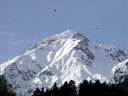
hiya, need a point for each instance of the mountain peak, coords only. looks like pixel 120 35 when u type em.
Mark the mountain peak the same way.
pixel 64 35
pixel 72 34
pixel 68 33
pixel 59 58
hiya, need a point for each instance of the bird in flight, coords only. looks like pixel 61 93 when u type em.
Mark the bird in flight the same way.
pixel 54 10
pixel 97 28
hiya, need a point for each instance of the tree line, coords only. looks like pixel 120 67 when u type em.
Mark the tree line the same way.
pixel 83 89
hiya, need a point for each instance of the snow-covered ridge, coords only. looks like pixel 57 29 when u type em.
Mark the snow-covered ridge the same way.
pixel 60 58
pixel 54 38
pixel 120 72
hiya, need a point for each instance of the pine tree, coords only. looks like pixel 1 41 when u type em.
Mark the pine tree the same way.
pixel 64 89
pixel 42 92
pixel 55 90
pixel 83 88
pixel 47 93
pixel 72 88
pixel 37 92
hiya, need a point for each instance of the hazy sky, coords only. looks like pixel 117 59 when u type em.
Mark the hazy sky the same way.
pixel 25 22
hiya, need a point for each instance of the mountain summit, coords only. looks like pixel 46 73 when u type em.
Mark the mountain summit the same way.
pixel 59 58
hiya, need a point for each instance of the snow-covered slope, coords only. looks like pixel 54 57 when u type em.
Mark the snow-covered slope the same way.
pixel 120 72
pixel 60 58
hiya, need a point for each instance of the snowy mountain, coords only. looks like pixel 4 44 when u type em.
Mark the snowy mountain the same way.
pixel 60 58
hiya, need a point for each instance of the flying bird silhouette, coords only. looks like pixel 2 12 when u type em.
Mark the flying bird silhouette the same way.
pixel 54 10
pixel 97 28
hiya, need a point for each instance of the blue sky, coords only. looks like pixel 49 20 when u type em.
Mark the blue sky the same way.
pixel 25 22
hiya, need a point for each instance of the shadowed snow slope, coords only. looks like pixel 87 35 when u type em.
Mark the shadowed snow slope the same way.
pixel 60 58
pixel 120 72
